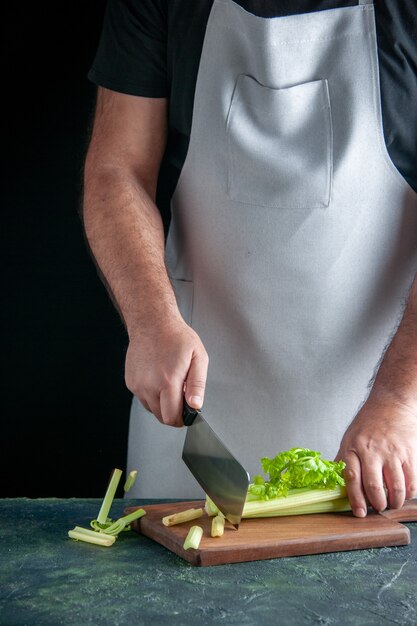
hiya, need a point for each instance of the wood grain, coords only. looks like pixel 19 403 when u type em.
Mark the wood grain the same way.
pixel 269 538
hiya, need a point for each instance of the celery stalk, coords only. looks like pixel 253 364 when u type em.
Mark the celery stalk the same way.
pixel 303 496
pixel 298 502
pixel 108 498
pixel 329 506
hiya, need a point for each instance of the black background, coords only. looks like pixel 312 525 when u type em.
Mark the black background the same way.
pixel 64 405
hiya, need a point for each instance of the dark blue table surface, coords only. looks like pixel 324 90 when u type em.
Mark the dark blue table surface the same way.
pixel 46 578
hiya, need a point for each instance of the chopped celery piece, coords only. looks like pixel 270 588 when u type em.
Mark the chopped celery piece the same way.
pixel 210 508
pixel 193 538
pixel 108 498
pixel 130 480
pixel 90 536
pixel 183 516
pixel 217 526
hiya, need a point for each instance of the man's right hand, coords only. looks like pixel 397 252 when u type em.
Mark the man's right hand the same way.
pixel 163 364
pixel 125 232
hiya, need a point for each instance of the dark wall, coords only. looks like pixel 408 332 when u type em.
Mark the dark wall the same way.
pixel 64 406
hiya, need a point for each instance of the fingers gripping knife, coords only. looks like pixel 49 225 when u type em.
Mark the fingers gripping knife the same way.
pixel 214 467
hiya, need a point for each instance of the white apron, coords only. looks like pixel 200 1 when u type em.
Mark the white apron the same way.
pixel 293 240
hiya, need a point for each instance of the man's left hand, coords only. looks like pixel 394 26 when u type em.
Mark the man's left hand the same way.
pixel 380 452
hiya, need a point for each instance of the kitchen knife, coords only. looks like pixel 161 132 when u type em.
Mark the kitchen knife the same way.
pixel 214 467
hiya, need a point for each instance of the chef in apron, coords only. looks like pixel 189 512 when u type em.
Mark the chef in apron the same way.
pixel 291 250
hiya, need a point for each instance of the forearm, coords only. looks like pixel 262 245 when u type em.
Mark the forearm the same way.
pixel 125 233
pixel 165 357
pixel 396 378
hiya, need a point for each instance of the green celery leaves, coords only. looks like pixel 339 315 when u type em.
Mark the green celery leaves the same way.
pixel 294 469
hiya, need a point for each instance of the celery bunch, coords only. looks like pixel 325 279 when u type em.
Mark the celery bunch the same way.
pixel 299 482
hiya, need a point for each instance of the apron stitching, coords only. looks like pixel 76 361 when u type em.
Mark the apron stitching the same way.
pixel 364 6
pixel 330 156
pixel 276 44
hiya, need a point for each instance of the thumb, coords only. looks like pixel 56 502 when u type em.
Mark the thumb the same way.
pixel 195 384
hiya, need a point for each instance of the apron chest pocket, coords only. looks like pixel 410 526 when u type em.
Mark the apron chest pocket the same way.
pixel 280 145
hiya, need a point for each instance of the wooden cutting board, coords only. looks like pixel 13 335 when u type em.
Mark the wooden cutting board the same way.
pixel 269 538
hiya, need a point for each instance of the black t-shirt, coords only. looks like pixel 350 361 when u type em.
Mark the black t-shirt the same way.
pixel 152 48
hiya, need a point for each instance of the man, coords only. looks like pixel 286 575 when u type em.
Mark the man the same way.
pixel 292 245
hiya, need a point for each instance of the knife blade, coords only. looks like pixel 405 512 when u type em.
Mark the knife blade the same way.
pixel 214 467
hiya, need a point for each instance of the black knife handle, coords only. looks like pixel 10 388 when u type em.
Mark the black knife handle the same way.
pixel 188 414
